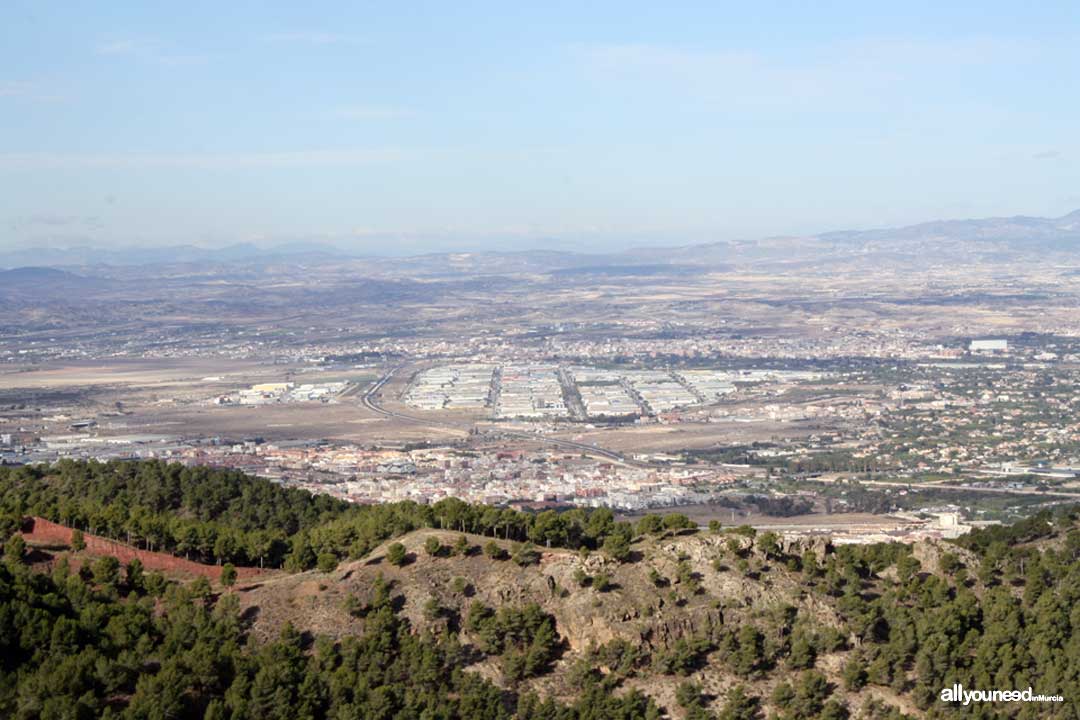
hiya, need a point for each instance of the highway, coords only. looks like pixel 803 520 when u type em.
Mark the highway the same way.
pixel 368 400
pixel 937 485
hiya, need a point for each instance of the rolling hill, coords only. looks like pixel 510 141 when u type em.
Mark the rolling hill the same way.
pixel 437 611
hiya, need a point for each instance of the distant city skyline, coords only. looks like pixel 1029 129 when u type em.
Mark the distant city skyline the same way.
pixel 393 130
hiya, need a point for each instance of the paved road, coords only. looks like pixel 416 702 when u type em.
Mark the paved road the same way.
pixel 937 485
pixel 368 400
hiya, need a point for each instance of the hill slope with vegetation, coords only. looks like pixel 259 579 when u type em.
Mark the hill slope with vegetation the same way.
pixel 459 611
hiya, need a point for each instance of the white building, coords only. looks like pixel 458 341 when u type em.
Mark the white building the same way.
pixel 990 346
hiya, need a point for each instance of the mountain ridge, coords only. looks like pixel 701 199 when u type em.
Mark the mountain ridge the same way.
pixel 989 237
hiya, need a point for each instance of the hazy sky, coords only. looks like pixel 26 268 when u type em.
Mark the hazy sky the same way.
pixel 511 124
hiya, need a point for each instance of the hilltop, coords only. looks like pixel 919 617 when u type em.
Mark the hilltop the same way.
pixel 40 278
pixel 678 605
pixel 651 604
pixel 384 611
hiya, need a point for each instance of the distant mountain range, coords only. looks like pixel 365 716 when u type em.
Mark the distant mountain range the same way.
pixel 31 284
pixel 1020 228
pixel 31 277
pixel 173 254
pixel 985 239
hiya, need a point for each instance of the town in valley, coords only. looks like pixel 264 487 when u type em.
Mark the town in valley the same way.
pixel 863 398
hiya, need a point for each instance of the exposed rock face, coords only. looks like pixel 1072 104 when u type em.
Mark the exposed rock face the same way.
pixel 929 554
pixel 664 632
pixel 645 605
pixel 820 546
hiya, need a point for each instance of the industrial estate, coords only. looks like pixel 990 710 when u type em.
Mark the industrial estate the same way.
pixel 728 485
pixel 539 361
pixel 839 401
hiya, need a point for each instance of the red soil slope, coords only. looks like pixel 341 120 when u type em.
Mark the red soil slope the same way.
pixel 44 532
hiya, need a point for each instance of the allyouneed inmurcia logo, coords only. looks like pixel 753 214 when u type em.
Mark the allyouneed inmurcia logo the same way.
pixel 957 694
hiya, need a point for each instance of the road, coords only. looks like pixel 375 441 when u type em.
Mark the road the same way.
pixel 937 485
pixel 368 400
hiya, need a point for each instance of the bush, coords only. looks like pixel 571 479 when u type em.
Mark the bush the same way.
pixel 493 551
pixel 678 521
pixel 396 555
pixel 327 562
pixel 525 637
pixel 106 571
pixel 15 548
pixel 602 582
pixel 525 554
pixel 133 574
pixel 740 706
pixel 650 525
pixel 618 547
pixel 854 673
pixel 688 694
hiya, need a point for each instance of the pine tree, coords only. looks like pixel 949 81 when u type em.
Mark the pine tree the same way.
pixel 396 554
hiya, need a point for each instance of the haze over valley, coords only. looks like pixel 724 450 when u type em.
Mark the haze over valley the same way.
pixel 562 361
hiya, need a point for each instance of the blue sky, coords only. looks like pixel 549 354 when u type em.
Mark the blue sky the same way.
pixel 402 127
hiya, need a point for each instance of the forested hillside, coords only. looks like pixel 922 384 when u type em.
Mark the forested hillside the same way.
pixel 224 516
pixel 414 613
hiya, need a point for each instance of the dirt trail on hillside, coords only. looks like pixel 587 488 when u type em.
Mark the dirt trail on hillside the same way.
pixel 39 531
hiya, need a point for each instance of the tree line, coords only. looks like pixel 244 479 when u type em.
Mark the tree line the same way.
pixel 120 644
pixel 224 516
pixel 997 608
